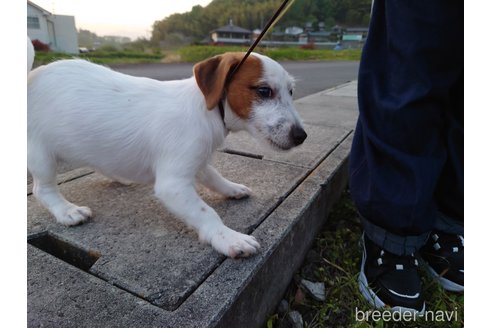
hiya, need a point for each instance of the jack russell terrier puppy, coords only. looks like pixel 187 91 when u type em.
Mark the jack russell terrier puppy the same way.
pixel 160 132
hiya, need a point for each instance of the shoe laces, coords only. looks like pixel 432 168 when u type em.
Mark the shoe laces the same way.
pixel 452 242
pixel 396 262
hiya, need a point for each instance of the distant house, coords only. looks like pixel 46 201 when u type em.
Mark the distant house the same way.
pixel 58 31
pixel 358 34
pixel 321 36
pixel 295 35
pixel 231 34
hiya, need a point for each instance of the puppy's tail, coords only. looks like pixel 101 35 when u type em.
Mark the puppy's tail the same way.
pixel 30 55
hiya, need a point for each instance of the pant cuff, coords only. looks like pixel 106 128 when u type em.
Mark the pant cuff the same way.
pixel 447 224
pixel 396 244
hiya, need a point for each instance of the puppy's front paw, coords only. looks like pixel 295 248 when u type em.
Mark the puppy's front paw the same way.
pixel 238 191
pixel 234 244
pixel 74 215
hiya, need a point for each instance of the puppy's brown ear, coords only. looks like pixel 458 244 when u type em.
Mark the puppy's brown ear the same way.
pixel 211 75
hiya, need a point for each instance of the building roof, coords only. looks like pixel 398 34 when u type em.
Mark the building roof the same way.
pixel 357 29
pixel 231 28
pixel 294 30
pixel 45 12
pixel 320 33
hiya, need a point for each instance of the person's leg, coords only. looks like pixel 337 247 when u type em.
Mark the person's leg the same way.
pixel 449 193
pixel 444 251
pixel 409 64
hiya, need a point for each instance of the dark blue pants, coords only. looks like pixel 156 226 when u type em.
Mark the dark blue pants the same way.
pixel 406 163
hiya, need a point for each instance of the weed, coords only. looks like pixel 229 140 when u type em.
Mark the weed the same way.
pixel 335 260
pixel 101 57
pixel 198 53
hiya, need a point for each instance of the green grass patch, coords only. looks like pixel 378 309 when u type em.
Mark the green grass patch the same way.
pixel 101 57
pixel 198 53
pixel 335 260
pixel 195 54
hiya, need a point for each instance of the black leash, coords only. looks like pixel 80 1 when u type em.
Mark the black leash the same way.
pixel 272 20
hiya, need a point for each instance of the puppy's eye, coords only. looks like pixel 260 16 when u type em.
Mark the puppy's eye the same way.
pixel 291 92
pixel 264 92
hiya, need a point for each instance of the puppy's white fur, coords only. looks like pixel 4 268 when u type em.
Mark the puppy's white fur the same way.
pixel 146 131
pixel 30 55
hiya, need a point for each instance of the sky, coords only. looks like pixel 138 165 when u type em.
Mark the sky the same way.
pixel 115 17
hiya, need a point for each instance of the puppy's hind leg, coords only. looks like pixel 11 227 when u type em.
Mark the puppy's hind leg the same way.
pixel 43 170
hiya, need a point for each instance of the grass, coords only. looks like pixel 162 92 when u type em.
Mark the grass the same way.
pixel 198 53
pixel 195 54
pixel 335 260
pixel 101 57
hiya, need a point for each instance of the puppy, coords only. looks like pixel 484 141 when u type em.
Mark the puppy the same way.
pixel 164 133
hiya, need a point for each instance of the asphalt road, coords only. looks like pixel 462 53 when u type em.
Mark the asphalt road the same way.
pixel 311 76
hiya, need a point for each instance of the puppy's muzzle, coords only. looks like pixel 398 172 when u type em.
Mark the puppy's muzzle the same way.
pixel 297 135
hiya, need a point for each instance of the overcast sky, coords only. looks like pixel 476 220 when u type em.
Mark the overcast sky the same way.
pixel 118 17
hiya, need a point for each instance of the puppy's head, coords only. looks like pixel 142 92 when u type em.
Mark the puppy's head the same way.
pixel 259 97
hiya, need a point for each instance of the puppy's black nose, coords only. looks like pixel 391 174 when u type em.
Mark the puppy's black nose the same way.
pixel 298 135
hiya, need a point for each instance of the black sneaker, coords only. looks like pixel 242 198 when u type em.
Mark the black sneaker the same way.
pixel 444 255
pixel 391 281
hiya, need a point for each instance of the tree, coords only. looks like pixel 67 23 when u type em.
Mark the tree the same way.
pixel 251 14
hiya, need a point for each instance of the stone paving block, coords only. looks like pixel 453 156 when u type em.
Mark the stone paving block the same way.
pixel 319 142
pixel 335 107
pixel 151 271
pixel 60 295
pixel 345 90
pixel 146 250
pixel 238 293
pixel 242 293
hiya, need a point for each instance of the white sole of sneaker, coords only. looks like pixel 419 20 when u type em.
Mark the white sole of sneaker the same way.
pixel 376 302
pixel 373 299
pixel 445 283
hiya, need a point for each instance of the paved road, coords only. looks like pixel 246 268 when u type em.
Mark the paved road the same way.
pixel 311 76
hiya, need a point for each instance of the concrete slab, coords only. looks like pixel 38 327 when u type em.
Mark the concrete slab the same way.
pixel 150 270
pixel 145 249
pixel 60 295
pixel 238 293
pixel 332 108
pixel 344 90
pixel 319 142
pixel 243 293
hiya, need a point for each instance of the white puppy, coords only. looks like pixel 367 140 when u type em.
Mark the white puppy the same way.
pixel 148 131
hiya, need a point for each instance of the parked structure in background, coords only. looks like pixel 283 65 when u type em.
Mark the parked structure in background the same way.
pixel 355 34
pixel 339 37
pixel 231 34
pixel 57 31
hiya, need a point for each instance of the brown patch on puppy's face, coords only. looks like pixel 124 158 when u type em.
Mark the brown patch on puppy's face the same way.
pixel 241 91
pixel 211 76
pixel 259 97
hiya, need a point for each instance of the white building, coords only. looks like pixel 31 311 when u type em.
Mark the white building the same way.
pixel 58 31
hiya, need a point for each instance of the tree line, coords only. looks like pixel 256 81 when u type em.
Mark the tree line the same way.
pixel 195 25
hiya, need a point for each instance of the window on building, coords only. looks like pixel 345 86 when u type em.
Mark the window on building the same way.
pixel 33 22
